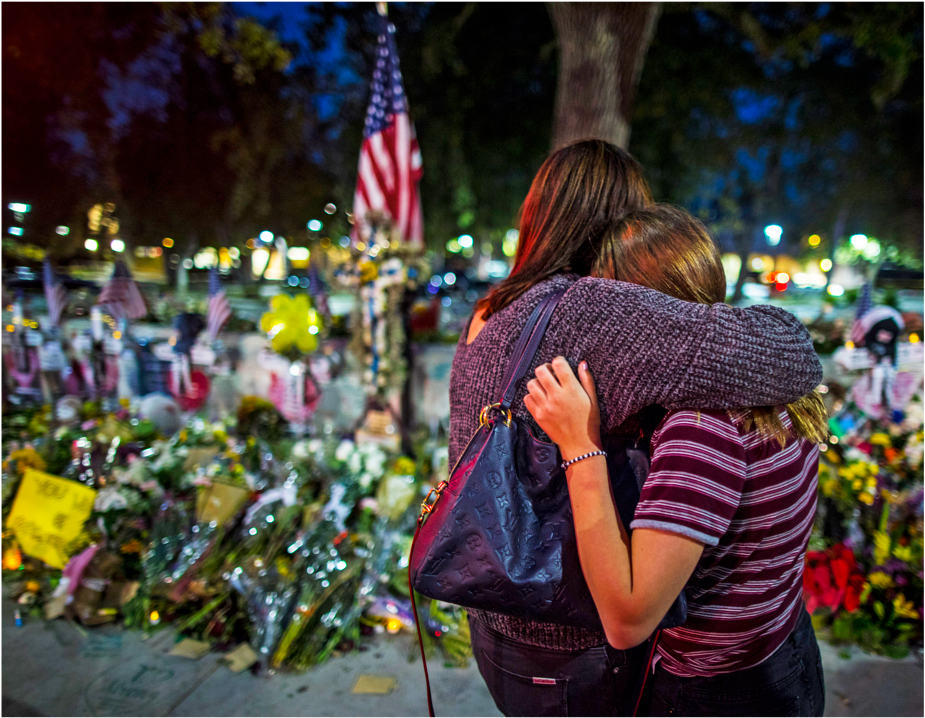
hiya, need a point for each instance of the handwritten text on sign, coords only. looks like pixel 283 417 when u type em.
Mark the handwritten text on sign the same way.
pixel 49 513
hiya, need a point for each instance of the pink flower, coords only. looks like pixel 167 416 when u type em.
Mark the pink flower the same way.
pixel 132 458
pixel 149 485
pixel 202 480
pixel 87 425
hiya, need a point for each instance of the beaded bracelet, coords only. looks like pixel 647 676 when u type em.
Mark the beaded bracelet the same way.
pixel 566 464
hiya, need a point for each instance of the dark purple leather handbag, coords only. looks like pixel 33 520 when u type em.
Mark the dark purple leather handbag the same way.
pixel 499 536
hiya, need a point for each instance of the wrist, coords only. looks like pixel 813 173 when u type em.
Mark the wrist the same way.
pixel 572 451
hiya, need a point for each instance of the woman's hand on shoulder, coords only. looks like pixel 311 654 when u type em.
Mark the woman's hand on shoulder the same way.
pixel 565 407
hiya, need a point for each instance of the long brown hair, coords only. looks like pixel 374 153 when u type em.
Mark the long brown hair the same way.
pixel 668 250
pixel 575 197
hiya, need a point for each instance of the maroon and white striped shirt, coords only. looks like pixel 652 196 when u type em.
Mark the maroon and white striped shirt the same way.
pixel 752 504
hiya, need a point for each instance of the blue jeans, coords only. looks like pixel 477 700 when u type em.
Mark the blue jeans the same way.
pixel 528 680
pixel 788 683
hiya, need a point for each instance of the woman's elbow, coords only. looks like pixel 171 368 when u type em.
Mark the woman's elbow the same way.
pixel 625 637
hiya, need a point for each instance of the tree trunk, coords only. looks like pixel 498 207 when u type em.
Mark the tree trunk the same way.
pixel 601 51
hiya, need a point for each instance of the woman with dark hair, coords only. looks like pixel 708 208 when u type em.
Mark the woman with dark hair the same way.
pixel 725 512
pixel 645 348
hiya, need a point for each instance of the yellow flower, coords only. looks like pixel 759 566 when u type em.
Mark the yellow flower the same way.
pixel 903 553
pixel 829 486
pixel 857 484
pixel 832 456
pixel 292 322
pixel 368 272
pixel 403 466
pixel 879 579
pixel 871 482
pixel 903 607
pixel 865 592
pixel 880 439
pixel 27 458
pixel 183 435
pixel 221 436
pixel 881 547
pixel 866 498
pixel 133 546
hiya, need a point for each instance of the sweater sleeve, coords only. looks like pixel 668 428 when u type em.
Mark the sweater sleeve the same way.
pixel 646 348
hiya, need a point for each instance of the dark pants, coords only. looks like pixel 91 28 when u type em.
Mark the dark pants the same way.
pixel 527 680
pixel 788 683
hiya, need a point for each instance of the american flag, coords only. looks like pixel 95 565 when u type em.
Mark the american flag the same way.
pixel 390 158
pixel 318 291
pixel 219 309
pixel 865 304
pixel 55 294
pixel 121 296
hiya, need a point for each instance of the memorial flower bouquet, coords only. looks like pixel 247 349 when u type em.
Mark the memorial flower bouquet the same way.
pixel 866 579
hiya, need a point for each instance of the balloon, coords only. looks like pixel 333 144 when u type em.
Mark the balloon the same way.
pixel 290 324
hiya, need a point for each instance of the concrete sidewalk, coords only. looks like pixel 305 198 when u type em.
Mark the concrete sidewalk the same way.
pixel 51 669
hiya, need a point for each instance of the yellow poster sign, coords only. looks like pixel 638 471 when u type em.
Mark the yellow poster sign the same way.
pixel 48 513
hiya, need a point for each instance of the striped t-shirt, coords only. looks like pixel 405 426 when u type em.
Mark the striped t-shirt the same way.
pixel 751 503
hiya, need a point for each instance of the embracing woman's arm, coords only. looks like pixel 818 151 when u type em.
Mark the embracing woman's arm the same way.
pixel 633 583
pixel 646 348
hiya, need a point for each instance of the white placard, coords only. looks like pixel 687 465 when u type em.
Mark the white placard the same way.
pixel 51 357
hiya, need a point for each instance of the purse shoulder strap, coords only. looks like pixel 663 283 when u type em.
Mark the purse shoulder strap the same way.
pixel 526 346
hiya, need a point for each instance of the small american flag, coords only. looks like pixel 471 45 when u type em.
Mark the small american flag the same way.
pixel 55 294
pixel 318 291
pixel 865 304
pixel 219 309
pixel 121 296
pixel 390 158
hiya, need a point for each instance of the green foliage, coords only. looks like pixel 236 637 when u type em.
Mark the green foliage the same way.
pixel 751 111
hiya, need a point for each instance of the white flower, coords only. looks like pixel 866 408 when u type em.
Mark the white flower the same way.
pixel 365 480
pixel 355 463
pixel 315 445
pixel 110 498
pixel 300 450
pixel 344 450
pixel 134 475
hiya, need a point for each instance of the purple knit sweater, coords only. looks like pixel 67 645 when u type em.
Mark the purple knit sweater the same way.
pixel 643 348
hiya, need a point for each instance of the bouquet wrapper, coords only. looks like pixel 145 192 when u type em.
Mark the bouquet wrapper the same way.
pixel 216 506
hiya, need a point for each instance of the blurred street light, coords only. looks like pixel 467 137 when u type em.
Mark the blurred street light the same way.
pixel 16 231
pixel 117 245
pixel 19 207
pixel 859 241
pixel 330 208
pixel 314 225
pixel 266 236
pixel 62 230
pixel 91 244
pixel 773 232
pixel 465 241
pixel 814 240
pixel 168 242
pixel 825 265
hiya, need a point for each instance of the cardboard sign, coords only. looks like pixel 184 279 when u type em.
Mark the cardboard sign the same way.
pixel 49 513
pixel 368 683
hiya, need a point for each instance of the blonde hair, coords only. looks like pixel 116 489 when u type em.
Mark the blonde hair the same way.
pixel 666 249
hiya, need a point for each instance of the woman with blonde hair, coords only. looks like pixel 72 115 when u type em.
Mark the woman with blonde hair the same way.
pixel 725 512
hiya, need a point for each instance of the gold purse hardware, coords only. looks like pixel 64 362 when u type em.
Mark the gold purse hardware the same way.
pixel 426 507
pixel 483 415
